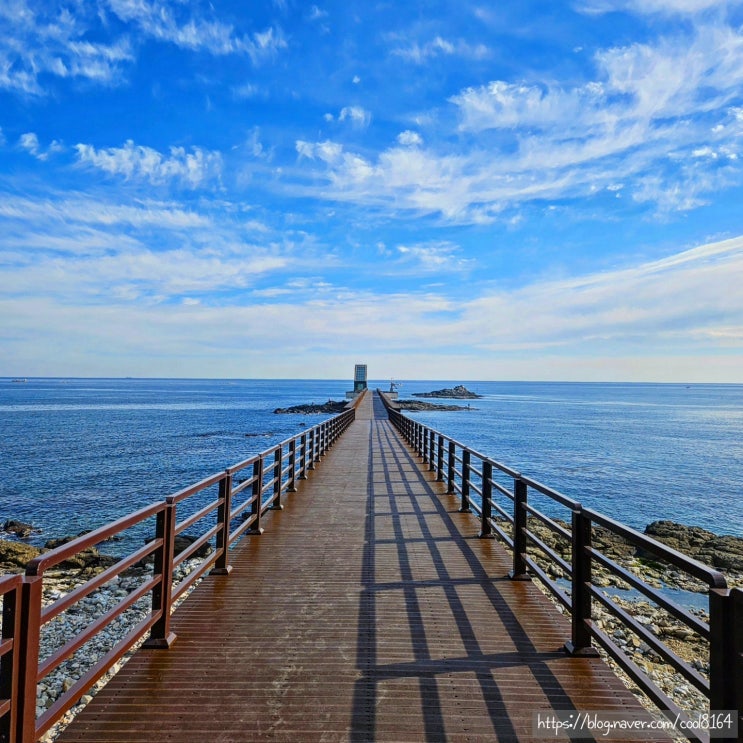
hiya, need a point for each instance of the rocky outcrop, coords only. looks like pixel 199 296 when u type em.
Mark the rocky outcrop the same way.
pixel 460 392
pixel 417 405
pixel 722 552
pixel 330 407
pixel 14 556
pixel 19 528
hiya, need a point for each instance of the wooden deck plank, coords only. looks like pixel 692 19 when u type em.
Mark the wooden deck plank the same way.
pixel 367 611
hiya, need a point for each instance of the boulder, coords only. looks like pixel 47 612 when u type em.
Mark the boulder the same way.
pixel 722 552
pixel 14 556
pixel 19 528
pixel 184 541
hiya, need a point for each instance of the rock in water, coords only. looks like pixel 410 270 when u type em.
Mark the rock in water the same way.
pixel 460 392
pixel 19 528
pixel 330 407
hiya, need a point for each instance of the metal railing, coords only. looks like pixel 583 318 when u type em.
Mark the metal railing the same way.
pixel 221 508
pixel 560 553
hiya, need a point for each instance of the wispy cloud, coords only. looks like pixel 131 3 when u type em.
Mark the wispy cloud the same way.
pixel 644 7
pixel 176 23
pixel 648 104
pixel 433 257
pixel 545 329
pixel 30 142
pixel 191 168
pixel 36 41
pixel 438 47
pixel 82 209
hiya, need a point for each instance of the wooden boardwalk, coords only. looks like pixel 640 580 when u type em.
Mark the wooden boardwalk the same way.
pixel 368 611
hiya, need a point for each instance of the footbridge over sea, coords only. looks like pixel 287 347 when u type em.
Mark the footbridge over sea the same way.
pixel 369 580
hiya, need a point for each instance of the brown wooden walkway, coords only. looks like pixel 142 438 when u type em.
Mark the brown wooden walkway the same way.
pixel 367 611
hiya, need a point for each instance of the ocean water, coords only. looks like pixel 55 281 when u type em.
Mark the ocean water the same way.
pixel 77 453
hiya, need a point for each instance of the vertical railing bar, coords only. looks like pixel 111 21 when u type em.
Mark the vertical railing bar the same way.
pixel 311 450
pixel 520 497
pixel 291 486
pixel 256 507
pixel 465 505
pixel 486 530
pixel 162 593
pixel 580 643
pixel 9 663
pixel 221 565
pixel 28 651
pixel 276 504
pixel 450 469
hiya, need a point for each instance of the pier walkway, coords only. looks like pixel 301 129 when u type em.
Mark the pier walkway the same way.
pixel 368 611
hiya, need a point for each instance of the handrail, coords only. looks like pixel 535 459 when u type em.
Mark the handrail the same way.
pixel 152 570
pixel 457 465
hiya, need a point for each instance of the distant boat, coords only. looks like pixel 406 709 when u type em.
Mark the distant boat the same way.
pixel 19 380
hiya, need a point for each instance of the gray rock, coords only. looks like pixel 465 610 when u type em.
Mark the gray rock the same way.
pixel 19 528
pixel 459 392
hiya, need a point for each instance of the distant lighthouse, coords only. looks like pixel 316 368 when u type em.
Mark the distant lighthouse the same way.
pixel 359 380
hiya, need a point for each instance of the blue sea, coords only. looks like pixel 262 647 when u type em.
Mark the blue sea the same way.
pixel 77 453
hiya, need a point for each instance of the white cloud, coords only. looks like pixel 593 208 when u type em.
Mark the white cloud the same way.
pixel 645 7
pixel 433 257
pixel 85 210
pixel 316 14
pixel 163 21
pixel 649 108
pixel 192 168
pixel 30 142
pixel 437 47
pixel 585 327
pixel 35 42
pixel 356 115
pixel 410 139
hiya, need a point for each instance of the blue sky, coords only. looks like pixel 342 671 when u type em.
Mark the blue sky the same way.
pixel 442 190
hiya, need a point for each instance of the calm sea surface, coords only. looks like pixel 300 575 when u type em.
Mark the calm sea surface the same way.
pixel 77 453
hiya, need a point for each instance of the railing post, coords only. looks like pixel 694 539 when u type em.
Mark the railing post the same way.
pixel 311 450
pixel 277 462
pixel 431 450
pixel 303 459
pixel 465 506
pixel 162 593
pixel 9 661
pixel 28 655
pixel 256 507
pixel 726 652
pixel 440 457
pixel 450 469
pixel 580 643
pixel 291 486
pixel 519 571
pixel 221 565
pixel 486 530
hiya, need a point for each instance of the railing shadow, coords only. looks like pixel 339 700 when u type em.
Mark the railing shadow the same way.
pixel 397 497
